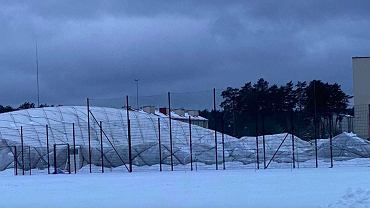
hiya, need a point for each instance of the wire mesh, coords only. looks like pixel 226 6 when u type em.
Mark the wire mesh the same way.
pixel 172 131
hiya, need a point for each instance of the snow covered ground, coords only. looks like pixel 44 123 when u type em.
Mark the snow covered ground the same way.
pixel 323 187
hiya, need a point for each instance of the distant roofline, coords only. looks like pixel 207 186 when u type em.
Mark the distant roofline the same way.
pixel 359 57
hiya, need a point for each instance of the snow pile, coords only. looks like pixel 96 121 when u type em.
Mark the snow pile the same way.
pixel 359 198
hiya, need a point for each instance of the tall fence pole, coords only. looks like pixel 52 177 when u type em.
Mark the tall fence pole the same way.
pixel 315 123
pixel 191 145
pixel 88 132
pixel 55 159
pixel 257 148
pixel 47 147
pixel 331 140
pixel 368 122
pixel 170 123
pixel 15 161
pixel 223 145
pixel 159 144
pixel 29 159
pixel 129 135
pixel 69 158
pixel 292 133
pixel 263 141
pixel 101 147
pixel 22 148
pixel 215 121
pixel 74 147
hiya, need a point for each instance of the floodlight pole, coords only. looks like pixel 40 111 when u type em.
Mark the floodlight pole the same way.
pixel 37 77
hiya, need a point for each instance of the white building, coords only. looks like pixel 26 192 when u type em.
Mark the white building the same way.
pixel 179 115
pixel 361 88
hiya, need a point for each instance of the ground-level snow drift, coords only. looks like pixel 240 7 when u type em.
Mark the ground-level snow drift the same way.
pixel 340 187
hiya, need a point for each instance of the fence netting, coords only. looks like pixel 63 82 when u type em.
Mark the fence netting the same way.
pixel 172 131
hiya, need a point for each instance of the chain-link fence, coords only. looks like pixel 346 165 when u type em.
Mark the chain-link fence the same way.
pixel 190 131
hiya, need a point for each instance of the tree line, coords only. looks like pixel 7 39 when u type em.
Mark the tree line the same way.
pixel 25 105
pixel 261 106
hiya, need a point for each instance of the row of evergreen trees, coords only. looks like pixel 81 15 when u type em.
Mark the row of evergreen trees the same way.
pixel 25 105
pixel 275 107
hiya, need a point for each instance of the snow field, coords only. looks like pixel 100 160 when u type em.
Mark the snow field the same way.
pixel 340 187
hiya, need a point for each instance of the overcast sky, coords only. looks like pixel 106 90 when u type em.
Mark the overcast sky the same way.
pixel 97 48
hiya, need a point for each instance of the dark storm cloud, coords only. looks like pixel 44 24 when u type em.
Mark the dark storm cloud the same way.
pixel 97 48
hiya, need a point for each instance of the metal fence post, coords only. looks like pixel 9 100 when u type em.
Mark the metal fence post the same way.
pixel 292 132
pixel 74 147
pixel 88 132
pixel 129 135
pixel 15 161
pixel 316 154
pixel 159 144
pixel 101 147
pixel 257 148
pixel 29 159
pixel 55 159
pixel 69 159
pixel 191 145
pixel 170 125
pixel 47 147
pixel 331 139
pixel 22 148
pixel 263 141
pixel 315 123
pixel 223 145
pixel 368 123
pixel 215 119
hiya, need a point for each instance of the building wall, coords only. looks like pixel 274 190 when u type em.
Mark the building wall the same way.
pixel 361 88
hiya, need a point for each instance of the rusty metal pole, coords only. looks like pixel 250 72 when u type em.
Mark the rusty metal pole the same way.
pixel 22 148
pixel 15 161
pixel 69 158
pixel 257 148
pixel 215 119
pixel 170 125
pixel 292 132
pixel 101 147
pixel 74 147
pixel 315 124
pixel 263 141
pixel 29 159
pixel 191 145
pixel 223 145
pixel 129 135
pixel 47 147
pixel 88 132
pixel 331 140
pixel 159 144
pixel 55 159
